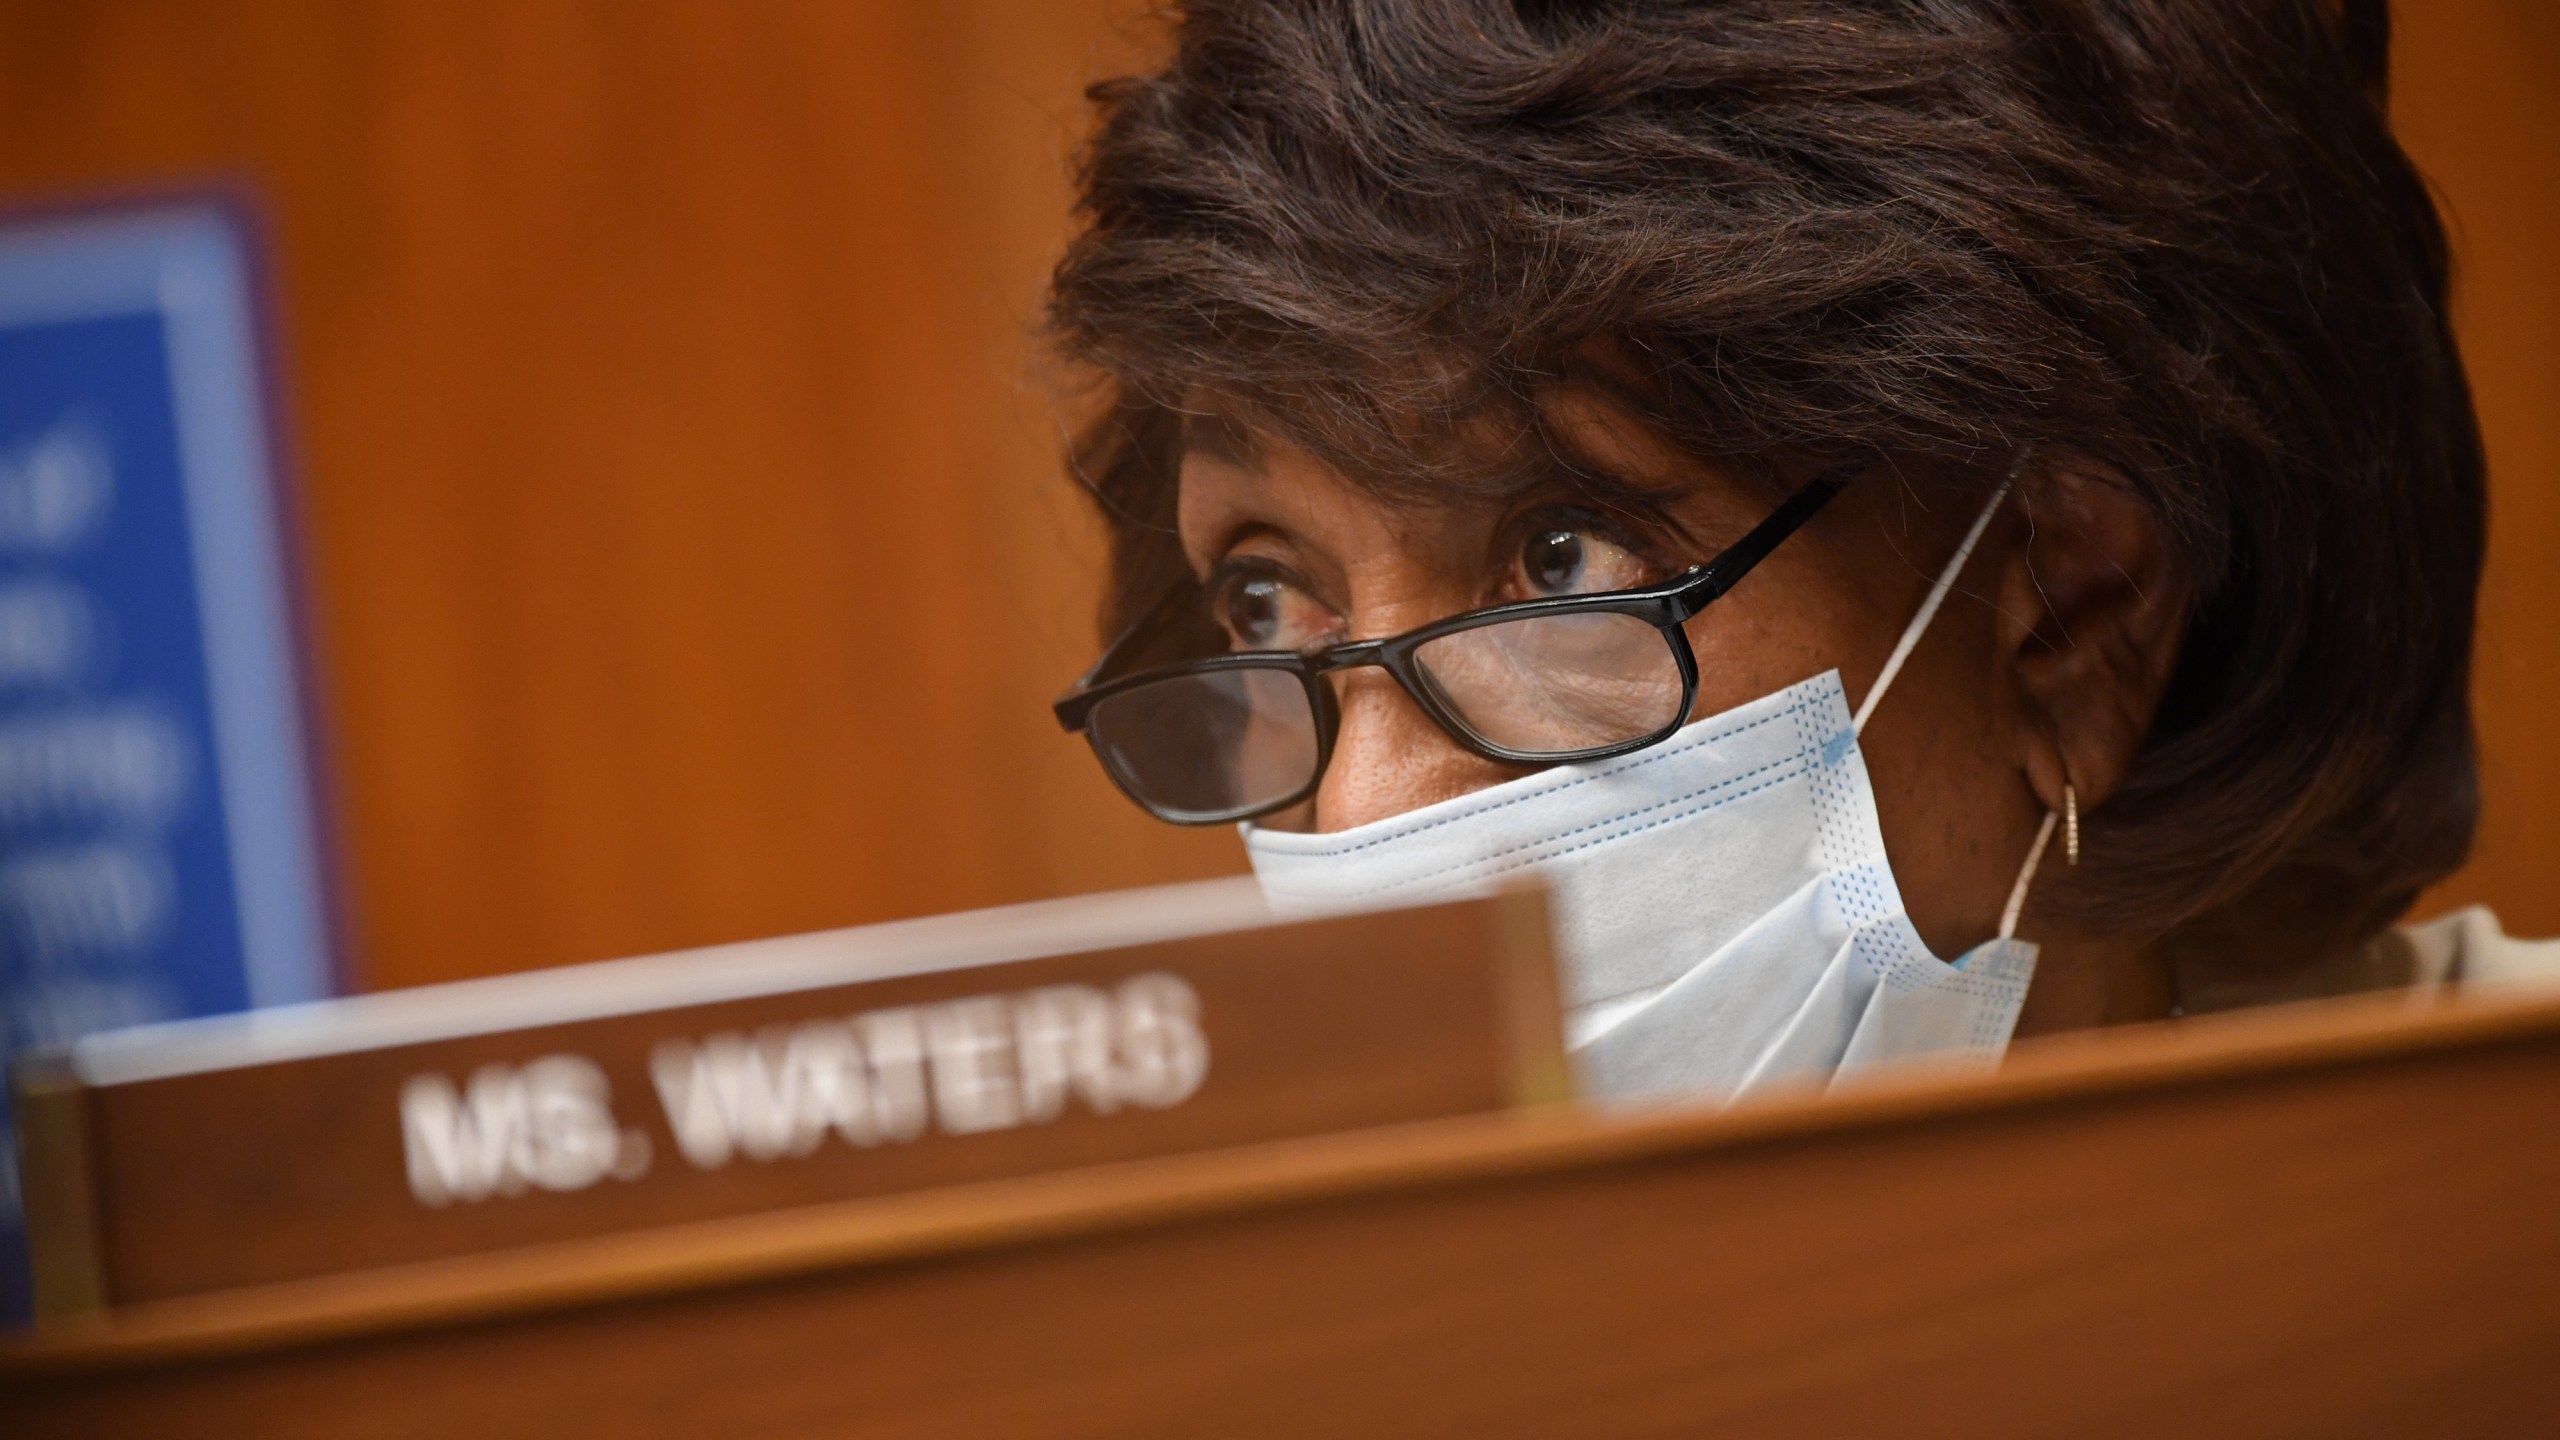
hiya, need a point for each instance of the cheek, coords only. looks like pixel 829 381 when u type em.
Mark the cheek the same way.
pixel 1951 800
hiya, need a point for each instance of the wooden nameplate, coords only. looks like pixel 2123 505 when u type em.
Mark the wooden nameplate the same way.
pixel 382 1130
pixel 2326 1219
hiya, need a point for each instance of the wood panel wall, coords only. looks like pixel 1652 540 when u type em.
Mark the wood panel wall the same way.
pixel 2474 101
pixel 688 553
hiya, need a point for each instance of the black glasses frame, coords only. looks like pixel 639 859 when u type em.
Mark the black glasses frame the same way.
pixel 1667 606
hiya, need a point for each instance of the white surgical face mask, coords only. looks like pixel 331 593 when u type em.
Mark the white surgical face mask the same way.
pixel 1725 917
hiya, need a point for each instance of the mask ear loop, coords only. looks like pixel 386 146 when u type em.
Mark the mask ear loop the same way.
pixel 2026 873
pixel 1902 649
pixel 1945 582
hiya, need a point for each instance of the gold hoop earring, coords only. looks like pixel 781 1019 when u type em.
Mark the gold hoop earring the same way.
pixel 2070 823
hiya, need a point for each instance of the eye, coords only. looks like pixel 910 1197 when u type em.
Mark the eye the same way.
pixel 1268 612
pixel 1563 560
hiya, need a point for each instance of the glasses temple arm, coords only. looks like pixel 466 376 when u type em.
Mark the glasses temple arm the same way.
pixel 1735 561
pixel 1138 633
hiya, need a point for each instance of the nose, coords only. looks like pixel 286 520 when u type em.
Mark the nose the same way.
pixel 1388 757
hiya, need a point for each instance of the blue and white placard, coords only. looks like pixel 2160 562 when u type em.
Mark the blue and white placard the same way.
pixel 159 848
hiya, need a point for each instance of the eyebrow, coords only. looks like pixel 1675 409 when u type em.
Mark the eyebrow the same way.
pixel 1562 463
pixel 1546 461
pixel 1220 435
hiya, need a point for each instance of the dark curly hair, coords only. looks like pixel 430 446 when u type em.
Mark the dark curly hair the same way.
pixel 2173 235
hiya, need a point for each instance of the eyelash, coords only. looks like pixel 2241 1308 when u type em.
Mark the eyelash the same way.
pixel 1648 538
pixel 1645 537
pixel 1229 569
pixel 1223 577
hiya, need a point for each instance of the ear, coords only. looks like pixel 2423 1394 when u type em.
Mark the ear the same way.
pixel 2093 608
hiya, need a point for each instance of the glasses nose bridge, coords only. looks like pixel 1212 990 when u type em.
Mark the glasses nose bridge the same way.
pixel 1358 655
pixel 1383 654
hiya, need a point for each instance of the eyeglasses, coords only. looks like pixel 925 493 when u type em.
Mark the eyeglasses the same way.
pixel 1538 682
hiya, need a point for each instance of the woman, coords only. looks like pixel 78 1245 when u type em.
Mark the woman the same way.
pixel 2057 395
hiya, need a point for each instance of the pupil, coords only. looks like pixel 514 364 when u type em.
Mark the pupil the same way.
pixel 1256 611
pixel 1555 561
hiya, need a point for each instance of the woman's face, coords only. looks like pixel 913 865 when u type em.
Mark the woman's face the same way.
pixel 1296 555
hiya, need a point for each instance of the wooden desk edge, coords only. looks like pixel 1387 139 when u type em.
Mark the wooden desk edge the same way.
pixel 1101 1199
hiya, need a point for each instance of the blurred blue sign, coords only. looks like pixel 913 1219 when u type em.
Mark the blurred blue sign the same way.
pixel 159 854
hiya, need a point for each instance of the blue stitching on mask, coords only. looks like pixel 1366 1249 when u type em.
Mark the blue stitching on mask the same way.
pixel 1599 824
pixel 1669 750
pixel 1837 746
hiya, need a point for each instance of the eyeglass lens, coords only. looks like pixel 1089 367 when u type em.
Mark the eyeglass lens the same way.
pixel 1197 747
pixel 1217 743
pixel 1554 685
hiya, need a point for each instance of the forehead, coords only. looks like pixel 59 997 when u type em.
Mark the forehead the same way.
pixel 1577 434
